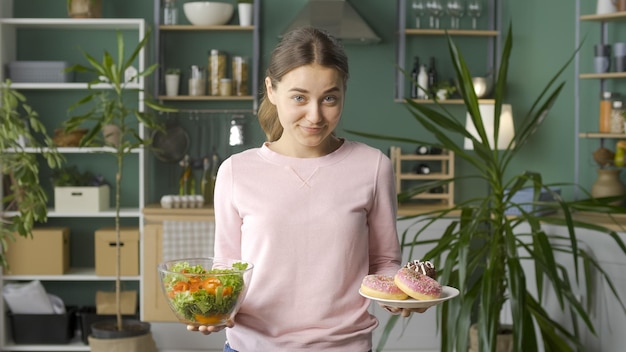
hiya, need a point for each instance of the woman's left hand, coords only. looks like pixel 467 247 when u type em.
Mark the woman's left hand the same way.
pixel 405 312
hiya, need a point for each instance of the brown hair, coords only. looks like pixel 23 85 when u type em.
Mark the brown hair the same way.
pixel 300 47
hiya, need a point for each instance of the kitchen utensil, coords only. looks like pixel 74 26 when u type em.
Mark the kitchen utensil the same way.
pixel 171 145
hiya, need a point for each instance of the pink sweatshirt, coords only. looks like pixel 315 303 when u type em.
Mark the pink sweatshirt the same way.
pixel 313 228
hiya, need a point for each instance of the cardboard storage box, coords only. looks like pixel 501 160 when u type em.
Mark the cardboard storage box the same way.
pixel 81 199
pixel 47 253
pixel 105 242
pixel 43 328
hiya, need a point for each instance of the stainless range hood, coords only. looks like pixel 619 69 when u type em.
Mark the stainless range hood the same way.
pixel 337 17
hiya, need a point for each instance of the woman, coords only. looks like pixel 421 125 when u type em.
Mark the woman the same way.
pixel 313 212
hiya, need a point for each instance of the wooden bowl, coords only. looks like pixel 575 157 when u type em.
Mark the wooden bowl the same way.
pixel 70 139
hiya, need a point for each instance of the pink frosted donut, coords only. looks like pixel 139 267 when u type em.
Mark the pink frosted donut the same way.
pixel 417 285
pixel 381 286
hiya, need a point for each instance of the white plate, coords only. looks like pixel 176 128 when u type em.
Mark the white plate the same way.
pixel 447 292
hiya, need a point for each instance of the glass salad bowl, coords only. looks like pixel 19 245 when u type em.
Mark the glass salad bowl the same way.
pixel 205 291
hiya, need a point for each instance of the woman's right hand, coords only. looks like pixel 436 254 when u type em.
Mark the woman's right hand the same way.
pixel 207 330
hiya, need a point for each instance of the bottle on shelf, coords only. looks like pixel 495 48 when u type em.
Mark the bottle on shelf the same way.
pixel 436 190
pixel 432 77
pixel 422 169
pixel 170 13
pixel 605 113
pixel 422 81
pixel 414 77
pixel 422 150
pixel 617 117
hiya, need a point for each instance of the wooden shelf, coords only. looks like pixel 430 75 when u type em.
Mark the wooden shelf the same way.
pixel 602 135
pixel 615 16
pixel 446 160
pixel 453 32
pixel 607 75
pixel 205 97
pixel 188 27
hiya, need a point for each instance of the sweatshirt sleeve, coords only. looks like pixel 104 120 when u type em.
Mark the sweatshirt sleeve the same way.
pixel 227 218
pixel 384 248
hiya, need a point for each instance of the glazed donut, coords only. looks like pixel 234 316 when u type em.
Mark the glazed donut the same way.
pixel 417 285
pixel 423 267
pixel 381 286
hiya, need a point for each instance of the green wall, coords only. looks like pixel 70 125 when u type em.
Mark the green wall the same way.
pixel 544 38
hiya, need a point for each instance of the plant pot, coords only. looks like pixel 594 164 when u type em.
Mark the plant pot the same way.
pixel 504 340
pixel 608 184
pixel 134 336
pixel 245 14
pixel 84 8
pixel 172 82
pixel 112 135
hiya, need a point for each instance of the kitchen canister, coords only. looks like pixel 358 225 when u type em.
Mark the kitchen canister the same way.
pixel 602 59
pixel 240 75
pixel 197 80
pixel 617 119
pixel 217 70
pixel 605 6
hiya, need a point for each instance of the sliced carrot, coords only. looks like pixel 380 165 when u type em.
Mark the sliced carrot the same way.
pixel 211 319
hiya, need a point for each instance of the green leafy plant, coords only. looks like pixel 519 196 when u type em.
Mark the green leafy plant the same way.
pixel 483 250
pixel 110 107
pixel 172 71
pixel 72 177
pixel 20 167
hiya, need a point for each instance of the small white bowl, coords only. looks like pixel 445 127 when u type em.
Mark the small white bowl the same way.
pixel 208 13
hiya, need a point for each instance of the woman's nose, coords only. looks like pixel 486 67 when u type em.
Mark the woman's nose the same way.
pixel 314 115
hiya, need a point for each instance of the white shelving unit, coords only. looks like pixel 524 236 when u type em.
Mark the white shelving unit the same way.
pixel 9 29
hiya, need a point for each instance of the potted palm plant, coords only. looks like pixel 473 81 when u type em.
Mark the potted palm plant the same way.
pixel 483 251
pixel 22 191
pixel 110 107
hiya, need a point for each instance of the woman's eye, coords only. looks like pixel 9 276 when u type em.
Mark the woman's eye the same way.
pixel 298 98
pixel 330 99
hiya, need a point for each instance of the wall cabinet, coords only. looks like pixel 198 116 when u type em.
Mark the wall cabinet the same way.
pixel 206 118
pixel 431 42
pixel 587 111
pixel 24 39
pixel 603 78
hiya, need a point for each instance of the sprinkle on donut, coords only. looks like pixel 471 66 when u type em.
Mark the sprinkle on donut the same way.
pixel 382 286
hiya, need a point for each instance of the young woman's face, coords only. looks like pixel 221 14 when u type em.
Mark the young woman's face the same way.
pixel 309 101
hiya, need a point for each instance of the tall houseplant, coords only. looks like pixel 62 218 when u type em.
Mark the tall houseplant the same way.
pixel 21 127
pixel 108 107
pixel 482 250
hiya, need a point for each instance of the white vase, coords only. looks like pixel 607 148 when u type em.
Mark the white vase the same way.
pixel 245 14
pixel 112 135
pixel 172 82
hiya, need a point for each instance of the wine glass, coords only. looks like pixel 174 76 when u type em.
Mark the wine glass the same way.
pixel 435 9
pixel 455 9
pixel 474 7
pixel 419 9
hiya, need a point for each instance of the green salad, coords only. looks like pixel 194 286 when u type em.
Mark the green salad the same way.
pixel 206 297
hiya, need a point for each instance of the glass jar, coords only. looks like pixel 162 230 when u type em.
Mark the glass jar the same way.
pixel 217 70
pixel 170 13
pixel 197 80
pixel 226 87
pixel 605 113
pixel 617 119
pixel 240 75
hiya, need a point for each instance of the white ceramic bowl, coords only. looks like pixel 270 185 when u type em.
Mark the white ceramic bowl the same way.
pixel 208 13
